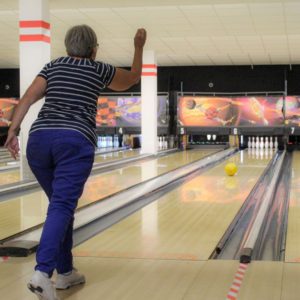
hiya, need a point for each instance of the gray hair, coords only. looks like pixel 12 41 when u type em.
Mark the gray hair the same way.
pixel 80 41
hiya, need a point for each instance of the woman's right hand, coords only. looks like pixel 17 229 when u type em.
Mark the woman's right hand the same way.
pixel 125 79
pixel 12 144
pixel 140 38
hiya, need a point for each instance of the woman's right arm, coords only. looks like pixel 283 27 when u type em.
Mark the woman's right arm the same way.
pixel 124 79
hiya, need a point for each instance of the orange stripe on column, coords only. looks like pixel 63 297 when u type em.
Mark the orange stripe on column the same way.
pixel 34 38
pixel 34 24
pixel 149 74
pixel 150 66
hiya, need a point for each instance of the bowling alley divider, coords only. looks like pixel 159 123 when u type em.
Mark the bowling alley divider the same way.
pixel 249 243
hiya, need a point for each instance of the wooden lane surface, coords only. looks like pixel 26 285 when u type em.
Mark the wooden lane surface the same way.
pixel 10 176
pixel 30 209
pixel 101 158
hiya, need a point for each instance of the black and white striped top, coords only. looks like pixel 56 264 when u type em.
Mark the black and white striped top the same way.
pixel 73 88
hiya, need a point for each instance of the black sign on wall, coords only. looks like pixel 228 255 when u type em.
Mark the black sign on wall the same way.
pixel 9 83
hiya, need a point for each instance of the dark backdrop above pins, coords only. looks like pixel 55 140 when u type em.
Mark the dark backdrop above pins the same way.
pixel 199 79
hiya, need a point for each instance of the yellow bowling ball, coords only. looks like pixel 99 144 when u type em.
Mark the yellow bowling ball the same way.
pixel 231 169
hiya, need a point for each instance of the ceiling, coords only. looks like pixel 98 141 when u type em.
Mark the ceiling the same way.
pixel 185 32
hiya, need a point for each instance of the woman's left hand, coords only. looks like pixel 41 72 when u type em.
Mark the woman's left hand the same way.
pixel 12 144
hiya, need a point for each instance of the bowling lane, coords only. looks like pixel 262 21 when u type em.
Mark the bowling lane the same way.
pixel 116 155
pixel 29 210
pixel 9 163
pixel 292 249
pixel 12 176
pixel 186 223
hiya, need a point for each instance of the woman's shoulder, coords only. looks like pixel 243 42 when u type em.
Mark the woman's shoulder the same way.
pixel 56 60
pixel 98 63
pixel 100 66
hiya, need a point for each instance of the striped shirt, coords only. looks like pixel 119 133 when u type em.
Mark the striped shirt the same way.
pixel 73 88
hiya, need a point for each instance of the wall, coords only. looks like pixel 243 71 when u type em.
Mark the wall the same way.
pixel 197 79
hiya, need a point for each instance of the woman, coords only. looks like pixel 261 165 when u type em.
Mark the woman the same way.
pixel 60 149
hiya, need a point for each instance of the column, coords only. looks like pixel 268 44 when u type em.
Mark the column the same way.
pixel 34 54
pixel 149 103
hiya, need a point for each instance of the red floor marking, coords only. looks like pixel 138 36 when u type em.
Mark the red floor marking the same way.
pixel 237 282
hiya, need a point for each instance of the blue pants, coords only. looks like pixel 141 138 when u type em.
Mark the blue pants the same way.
pixel 61 161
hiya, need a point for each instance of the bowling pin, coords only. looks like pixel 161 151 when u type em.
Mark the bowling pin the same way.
pixel 276 143
pixel 160 142
pixel 242 140
pixel 257 142
pixel 166 143
pixel 266 143
pixel 261 143
pixel 214 137
pixel 271 142
pixel 249 143
pixel 208 137
pixel 253 142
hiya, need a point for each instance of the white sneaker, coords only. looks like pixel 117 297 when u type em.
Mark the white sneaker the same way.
pixel 42 287
pixel 66 281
